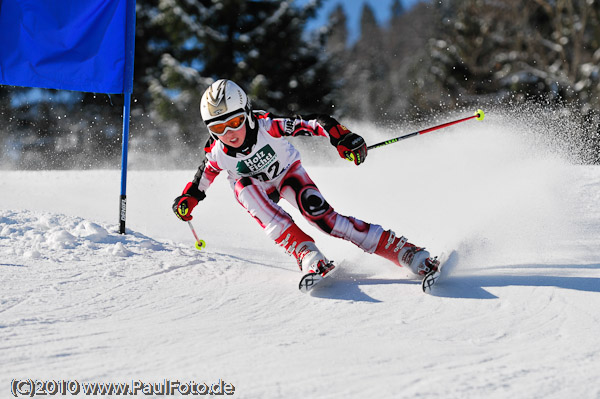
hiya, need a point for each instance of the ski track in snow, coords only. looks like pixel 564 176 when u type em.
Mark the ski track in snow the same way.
pixel 515 317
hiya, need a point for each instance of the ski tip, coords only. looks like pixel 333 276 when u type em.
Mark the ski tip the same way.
pixel 428 283
pixel 308 281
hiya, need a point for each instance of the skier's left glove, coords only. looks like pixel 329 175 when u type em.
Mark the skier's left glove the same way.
pixel 353 148
pixel 185 203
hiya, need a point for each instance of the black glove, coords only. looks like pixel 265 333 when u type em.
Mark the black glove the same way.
pixel 352 147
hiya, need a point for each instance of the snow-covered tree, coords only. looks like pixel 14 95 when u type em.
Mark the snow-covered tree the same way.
pixel 541 48
pixel 258 44
pixel 513 51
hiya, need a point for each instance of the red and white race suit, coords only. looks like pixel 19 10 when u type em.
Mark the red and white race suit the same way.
pixel 267 167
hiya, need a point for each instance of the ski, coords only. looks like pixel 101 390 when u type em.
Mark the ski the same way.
pixel 310 280
pixel 432 277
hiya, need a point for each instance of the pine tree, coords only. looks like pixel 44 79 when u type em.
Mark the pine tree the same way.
pixel 336 46
pixel 364 90
pixel 396 11
pixel 257 44
pixel 337 34
pixel 386 75
pixel 471 35
pixel 543 49
pixel 406 47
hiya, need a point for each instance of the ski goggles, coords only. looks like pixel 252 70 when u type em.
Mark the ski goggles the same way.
pixel 219 128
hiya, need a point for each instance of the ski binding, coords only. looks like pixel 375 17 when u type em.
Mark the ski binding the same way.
pixel 432 277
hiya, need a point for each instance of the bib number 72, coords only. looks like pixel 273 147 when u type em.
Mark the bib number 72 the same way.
pixel 271 172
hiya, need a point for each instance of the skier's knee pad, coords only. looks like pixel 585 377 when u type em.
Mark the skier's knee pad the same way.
pixel 312 203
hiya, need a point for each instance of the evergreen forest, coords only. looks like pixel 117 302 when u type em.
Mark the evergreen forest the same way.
pixel 428 60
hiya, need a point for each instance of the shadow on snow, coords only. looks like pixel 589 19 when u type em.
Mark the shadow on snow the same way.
pixel 474 286
pixel 348 287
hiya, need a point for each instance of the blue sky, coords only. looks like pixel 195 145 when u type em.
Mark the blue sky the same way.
pixel 353 8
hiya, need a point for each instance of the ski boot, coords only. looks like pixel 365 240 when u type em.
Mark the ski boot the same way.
pixel 300 245
pixel 403 253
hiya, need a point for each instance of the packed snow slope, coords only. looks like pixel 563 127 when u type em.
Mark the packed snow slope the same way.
pixel 516 317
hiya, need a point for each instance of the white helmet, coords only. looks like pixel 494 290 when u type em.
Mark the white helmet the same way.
pixel 223 99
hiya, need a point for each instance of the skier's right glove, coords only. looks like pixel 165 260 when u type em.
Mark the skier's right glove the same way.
pixel 183 206
pixel 185 203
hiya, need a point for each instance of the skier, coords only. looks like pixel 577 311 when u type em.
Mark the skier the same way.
pixel 263 167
